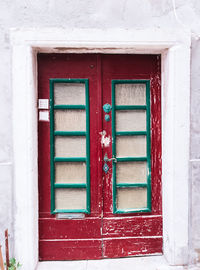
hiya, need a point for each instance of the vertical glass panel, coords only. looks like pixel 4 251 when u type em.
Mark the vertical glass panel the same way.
pixel 69 94
pixel 70 172
pixel 131 172
pixel 130 198
pixel 70 120
pixel 70 146
pixel 131 146
pixel 130 94
pixel 131 120
pixel 70 198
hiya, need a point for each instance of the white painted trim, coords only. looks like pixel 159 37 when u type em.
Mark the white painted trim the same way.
pixel 174 45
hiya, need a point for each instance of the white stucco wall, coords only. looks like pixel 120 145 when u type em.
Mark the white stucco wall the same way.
pixel 125 14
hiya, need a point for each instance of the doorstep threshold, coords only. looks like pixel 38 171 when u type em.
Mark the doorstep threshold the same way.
pixel 136 263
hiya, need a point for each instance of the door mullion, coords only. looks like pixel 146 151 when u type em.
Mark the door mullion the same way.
pixel 100 125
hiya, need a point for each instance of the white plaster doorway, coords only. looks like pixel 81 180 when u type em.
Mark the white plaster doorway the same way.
pixel 175 49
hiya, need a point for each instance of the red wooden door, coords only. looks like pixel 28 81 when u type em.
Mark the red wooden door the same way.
pixel 114 208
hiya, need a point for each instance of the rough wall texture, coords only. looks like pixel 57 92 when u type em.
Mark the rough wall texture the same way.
pixel 102 14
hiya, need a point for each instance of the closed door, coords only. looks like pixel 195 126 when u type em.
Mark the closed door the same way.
pixel 99 139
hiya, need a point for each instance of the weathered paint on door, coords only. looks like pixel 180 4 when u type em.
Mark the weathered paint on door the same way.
pixel 104 231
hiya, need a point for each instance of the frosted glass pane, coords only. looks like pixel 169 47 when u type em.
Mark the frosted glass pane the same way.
pixel 130 94
pixel 70 172
pixel 69 93
pixel 131 172
pixel 70 146
pixel 129 198
pixel 130 120
pixel 70 198
pixel 70 120
pixel 131 146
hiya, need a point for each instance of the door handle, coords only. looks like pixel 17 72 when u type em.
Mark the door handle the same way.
pixel 106 159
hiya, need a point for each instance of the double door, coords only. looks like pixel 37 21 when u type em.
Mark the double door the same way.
pixel 99 156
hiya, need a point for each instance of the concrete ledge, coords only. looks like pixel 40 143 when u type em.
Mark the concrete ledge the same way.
pixel 136 263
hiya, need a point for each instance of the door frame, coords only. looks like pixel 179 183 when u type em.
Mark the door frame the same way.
pixel 174 47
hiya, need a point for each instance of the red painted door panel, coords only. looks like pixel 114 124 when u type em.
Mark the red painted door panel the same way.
pixel 100 234
pixel 133 234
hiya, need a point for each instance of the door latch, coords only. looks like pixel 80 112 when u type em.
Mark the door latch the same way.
pixel 106 159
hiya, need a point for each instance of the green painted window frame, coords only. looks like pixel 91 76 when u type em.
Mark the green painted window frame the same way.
pixel 54 133
pixel 147 158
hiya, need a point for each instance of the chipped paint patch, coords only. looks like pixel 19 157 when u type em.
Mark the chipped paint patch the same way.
pixel 105 141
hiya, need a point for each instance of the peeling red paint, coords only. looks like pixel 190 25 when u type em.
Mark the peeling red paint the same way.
pixel 105 140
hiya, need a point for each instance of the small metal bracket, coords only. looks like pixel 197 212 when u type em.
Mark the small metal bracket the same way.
pixel 107 108
pixel 70 216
